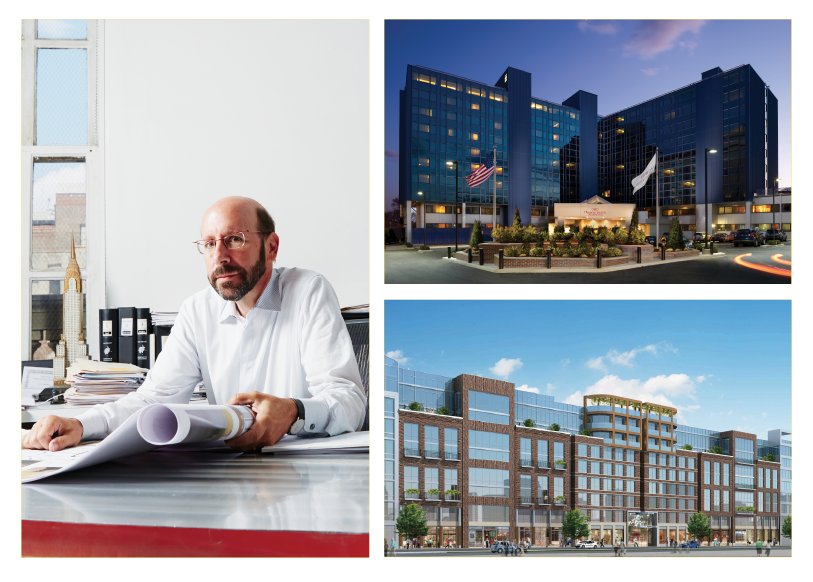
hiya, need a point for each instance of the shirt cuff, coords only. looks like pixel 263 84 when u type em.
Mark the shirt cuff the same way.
pixel 316 416
pixel 93 425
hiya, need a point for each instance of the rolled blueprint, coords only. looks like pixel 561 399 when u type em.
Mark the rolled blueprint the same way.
pixel 171 424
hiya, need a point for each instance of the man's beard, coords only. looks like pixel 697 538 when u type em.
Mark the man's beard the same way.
pixel 235 290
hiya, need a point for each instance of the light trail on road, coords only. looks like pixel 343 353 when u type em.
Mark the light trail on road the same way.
pixel 763 268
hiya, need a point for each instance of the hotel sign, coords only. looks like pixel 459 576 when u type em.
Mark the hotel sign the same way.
pixel 594 212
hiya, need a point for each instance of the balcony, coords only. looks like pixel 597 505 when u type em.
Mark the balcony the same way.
pixel 453 496
pixel 745 510
pixel 620 441
pixel 744 486
pixel 598 425
pixel 559 502
pixel 542 498
pixel 433 495
pixel 412 494
pixel 412 452
pixel 526 461
pixel 651 447
pixel 542 464
pixel 621 427
pixel 744 460
pixel 452 455
pixel 560 464
pixel 635 429
pixel 633 412
pixel 599 409
pixel 432 453
pixel 526 500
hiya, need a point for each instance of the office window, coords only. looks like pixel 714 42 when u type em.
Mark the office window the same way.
pixel 706 500
pixel 450 444
pixel 411 447
pixel 542 488
pixel 431 442
pixel 582 466
pixel 558 487
pixel 525 453
pixel 558 452
pixel 595 451
pixel 489 446
pixel 411 478
pixel 450 479
pixel 488 407
pixel 706 473
pixel 431 476
pixel 525 488
pixel 489 482
pixel 582 450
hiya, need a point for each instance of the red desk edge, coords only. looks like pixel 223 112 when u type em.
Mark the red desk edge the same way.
pixel 75 540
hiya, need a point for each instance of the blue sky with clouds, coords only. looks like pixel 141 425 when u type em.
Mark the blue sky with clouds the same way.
pixel 723 364
pixel 623 62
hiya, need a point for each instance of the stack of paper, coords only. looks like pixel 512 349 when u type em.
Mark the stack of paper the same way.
pixel 349 442
pixel 100 382
pixel 164 317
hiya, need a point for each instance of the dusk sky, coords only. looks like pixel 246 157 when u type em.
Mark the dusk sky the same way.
pixel 735 374
pixel 623 62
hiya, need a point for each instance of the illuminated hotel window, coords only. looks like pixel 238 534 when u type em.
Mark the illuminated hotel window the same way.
pixel 423 161
pixel 619 131
pixel 475 151
pixel 423 127
pixel 619 119
pixel 423 78
pixel 497 125
pixel 474 167
pixel 554 150
pixel 499 170
pixel 475 106
pixel 474 137
pixel 555 137
pixel 494 96
pixel 619 167
pixel 555 124
pixel 425 111
pixel 450 132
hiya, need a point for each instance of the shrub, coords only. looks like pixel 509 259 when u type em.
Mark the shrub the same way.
pixel 444 411
pixel 511 252
pixel 588 232
pixel 529 234
pixel 517 220
pixel 540 245
pixel 634 219
pixel 476 235
pixel 423 248
pixel 574 229
pixel 676 236
pixel 535 252
pixel 529 422
pixel 621 235
pixel 637 237
pixel 611 244
pixel 773 241
pixel 416 406
pixel 615 228
pixel 496 233
pixel 558 228
pixel 612 252
pixel 408 245
pixel 525 249
pixel 554 427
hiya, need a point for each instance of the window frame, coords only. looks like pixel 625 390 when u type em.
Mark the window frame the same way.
pixel 93 274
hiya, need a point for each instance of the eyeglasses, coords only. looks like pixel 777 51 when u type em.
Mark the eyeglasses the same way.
pixel 233 241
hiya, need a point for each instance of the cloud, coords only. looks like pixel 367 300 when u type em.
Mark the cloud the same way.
pixel 627 358
pixel 505 367
pixel 565 362
pixel 701 379
pixel 549 389
pixel 599 27
pixel 391 154
pixel 653 37
pixel 526 388
pixel 398 356
pixel 652 71
pixel 657 389
pixel 596 364
pixel 764 415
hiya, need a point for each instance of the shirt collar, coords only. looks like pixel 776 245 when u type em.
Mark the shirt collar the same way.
pixel 270 299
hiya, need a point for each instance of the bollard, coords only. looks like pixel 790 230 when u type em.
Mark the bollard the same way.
pixel 448 252
pixel 640 260
pixel 550 261
pixel 711 247
pixel 499 266
pixel 598 258
pixel 663 252
pixel 482 257
pixel 469 253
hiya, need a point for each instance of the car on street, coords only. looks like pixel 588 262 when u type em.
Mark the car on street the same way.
pixel 690 544
pixel 699 236
pixel 650 240
pixel 731 236
pixel 500 547
pixel 719 237
pixel 774 234
pixel 749 236
pixel 586 544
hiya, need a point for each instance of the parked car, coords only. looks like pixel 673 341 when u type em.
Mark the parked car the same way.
pixel 650 240
pixel 699 236
pixel 690 544
pixel 749 236
pixel 731 236
pixel 587 544
pixel 500 547
pixel 773 234
pixel 719 236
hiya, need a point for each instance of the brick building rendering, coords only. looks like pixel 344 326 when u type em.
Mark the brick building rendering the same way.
pixel 488 462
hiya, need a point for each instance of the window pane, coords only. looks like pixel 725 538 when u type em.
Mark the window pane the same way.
pixel 46 316
pixel 58 210
pixel 62 97
pixel 63 29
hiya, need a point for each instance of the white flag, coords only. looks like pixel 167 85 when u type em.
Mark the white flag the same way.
pixel 639 181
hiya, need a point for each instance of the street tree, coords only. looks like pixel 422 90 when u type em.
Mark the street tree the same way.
pixel 411 522
pixel 698 526
pixel 786 527
pixel 575 524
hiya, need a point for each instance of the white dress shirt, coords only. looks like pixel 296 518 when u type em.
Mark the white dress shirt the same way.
pixel 292 344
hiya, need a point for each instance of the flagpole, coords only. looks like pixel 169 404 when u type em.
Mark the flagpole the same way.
pixel 494 217
pixel 657 199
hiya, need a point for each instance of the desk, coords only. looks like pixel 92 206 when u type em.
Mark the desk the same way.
pixel 202 504
pixel 41 411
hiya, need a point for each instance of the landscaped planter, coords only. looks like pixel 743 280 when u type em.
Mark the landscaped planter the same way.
pixel 647 252
pixel 680 254
pixel 559 262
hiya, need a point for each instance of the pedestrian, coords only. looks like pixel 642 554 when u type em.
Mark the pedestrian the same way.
pixel 392 547
pixel 759 548
pixel 616 548
pixel 767 550
pixel 386 547
pixel 623 548
pixel 635 542
pixel 601 543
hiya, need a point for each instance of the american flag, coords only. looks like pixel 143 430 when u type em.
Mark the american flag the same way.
pixel 482 173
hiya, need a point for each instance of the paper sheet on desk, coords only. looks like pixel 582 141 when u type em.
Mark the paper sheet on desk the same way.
pixel 349 442
pixel 34 381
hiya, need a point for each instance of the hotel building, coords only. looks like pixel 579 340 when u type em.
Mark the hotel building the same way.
pixel 482 460
pixel 556 161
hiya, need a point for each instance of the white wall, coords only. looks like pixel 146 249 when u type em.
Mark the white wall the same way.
pixel 197 110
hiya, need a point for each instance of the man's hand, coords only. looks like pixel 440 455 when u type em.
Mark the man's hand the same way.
pixel 273 417
pixel 54 433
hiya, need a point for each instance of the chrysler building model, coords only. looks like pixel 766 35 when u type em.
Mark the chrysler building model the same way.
pixel 72 346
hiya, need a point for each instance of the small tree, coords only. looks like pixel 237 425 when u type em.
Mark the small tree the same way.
pixel 555 427
pixel 634 219
pixel 444 411
pixel 686 447
pixel 786 527
pixel 476 235
pixel 416 406
pixel 716 449
pixel 769 457
pixel 529 422
pixel 411 522
pixel 675 240
pixel 517 220
pixel 584 432
pixel 575 524
pixel 698 526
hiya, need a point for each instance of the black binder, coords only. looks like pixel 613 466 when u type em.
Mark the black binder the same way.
pixel 108 335
pixel 127 335
pixel 143 331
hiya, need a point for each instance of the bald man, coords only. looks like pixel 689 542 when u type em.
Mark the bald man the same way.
pixel 270 338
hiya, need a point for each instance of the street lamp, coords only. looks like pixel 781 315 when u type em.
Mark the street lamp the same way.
pixel 455 202
pixel 706 186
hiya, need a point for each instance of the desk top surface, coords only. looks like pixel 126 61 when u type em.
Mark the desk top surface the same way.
pixel 211 489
